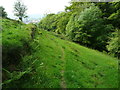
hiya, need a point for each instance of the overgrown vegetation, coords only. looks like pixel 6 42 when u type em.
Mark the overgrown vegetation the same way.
pixel 56 53
pixel 49 57
pixel 89 24
pixel 16 39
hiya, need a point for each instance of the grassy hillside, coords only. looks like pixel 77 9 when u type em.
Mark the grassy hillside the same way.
pixel 15 37
pixel 57 63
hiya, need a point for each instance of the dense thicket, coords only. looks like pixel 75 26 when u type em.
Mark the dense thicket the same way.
pixel 89 24
pixel 114 44
pixel 15 42
pixel 88 28
pixel 55 22
pixel 111 15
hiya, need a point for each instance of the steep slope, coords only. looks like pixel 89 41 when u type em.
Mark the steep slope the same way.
pixel 62 64
pixel 57 63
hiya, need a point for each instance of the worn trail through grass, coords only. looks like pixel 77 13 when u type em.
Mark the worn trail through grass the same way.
pixel 56 63
pixel 63 82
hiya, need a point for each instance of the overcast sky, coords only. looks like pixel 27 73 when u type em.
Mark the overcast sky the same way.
pixel 36 7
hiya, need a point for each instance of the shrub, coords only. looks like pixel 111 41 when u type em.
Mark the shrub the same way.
pixel 88 28
pixel 114 44
pixel 15 42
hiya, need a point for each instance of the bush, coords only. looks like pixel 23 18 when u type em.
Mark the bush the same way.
pixel 114 44
pixel 15 43
pixel 88 28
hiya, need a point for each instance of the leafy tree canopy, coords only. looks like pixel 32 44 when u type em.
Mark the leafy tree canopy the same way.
pixel 20 10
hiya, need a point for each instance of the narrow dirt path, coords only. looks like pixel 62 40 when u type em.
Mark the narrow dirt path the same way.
pixel 63 83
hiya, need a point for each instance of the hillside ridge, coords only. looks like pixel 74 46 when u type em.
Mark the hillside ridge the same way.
pixel 51 62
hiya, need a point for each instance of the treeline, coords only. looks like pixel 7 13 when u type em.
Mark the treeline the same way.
pixel 95 25
pixel 3 14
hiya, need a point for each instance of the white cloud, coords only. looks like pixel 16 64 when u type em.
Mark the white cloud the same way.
pixel 36 6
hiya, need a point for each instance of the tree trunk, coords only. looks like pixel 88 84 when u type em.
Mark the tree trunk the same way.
pixel 20 18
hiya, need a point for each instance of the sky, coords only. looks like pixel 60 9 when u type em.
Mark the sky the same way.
pixel 36 8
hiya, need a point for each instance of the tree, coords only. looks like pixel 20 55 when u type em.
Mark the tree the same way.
pixel 72 27
pixel 55 22
pixel 48 22
pixel 114 18
pixel 20 10
pixel 114 44
pixel 62 22
pixel 110 12
pixel 89 29
pixel 3 14
pixel 77 6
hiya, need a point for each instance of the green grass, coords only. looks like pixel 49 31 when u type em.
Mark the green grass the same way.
pixel 83 67
pixel 57 63
pixel 15 38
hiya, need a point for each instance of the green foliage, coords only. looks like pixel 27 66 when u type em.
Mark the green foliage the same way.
pixel 72 27
pixel 88 24
pixel 77 6
pixel 62 22
pixel 110 12
pixel 114 43
pixel 115 16
pixel 49 56
pixel 88 28
pixel 83 67
pixel 16 45
pixel 111 15
pixel 15 42
pixel 34 58
pixel 48 22
pixel 107 8
pixel 3 14
pixel 55 22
